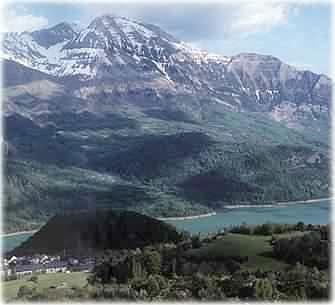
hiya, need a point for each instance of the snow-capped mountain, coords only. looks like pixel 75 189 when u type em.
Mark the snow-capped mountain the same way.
pixel 107 41
pixel 125 59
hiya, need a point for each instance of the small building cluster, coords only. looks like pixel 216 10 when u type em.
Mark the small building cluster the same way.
pixel 15 267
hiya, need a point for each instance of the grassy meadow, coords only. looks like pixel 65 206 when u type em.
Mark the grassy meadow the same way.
pixel 68 280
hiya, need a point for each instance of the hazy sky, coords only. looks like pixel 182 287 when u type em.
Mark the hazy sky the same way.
pixel 297 33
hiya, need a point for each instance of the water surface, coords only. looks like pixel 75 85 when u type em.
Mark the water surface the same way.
pixel 11 242
pixel 311 213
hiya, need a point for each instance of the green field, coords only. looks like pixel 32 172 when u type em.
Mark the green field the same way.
pixel 75 279
pixel 253 246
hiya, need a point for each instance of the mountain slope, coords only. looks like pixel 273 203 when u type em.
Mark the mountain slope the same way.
pixel 181 130
pixel 16 74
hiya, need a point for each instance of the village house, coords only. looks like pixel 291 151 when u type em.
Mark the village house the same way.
pixel 30 268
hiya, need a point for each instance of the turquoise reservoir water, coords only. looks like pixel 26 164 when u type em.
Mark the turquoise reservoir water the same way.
pixel 10 242
pixel 313 213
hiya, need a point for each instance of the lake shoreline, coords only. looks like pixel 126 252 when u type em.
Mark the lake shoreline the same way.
pixel 273 205
pixel 18 233
pixel 241 206
pixel 187 217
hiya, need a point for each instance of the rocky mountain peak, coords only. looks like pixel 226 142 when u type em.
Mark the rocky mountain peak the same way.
pixel 59 33
pixel 115 32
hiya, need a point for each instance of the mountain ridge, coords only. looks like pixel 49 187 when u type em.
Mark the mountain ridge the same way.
pixel 152 59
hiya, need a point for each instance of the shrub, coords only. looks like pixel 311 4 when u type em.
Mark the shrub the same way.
pixel 196 242
pixel 34 279
pixel 263 289
pixel 25 292
pixel 232 266
pixel 152 261
pixel 153 287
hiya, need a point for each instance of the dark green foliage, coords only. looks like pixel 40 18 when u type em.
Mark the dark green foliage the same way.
pixel 301 283
pixel 163 166
pixel 242 229
pixel 309 249
pixel 102 274
pixel 87 120
pixel 154 155
pixel 232 265
pixel 152 261
pixel 267 228
pixel 260 175
pixel 214 185
pixel 88 231
pixel 34 192
pixel 264 289
pixel 150 286
pixel 170 115
pixel 196 242
pixel 155 284
pixel 264 229
pixel 205 288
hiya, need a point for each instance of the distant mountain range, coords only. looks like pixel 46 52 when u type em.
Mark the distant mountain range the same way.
pixel 123 114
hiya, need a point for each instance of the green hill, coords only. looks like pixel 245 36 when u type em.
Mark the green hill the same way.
pixel 83 233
